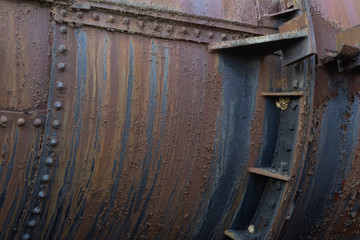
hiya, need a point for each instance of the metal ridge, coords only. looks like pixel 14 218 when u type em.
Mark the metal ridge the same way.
pixel 145 25
pixel 186 17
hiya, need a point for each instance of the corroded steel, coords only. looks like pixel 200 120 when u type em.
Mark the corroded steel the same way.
pixel 116 122
pixel 150 26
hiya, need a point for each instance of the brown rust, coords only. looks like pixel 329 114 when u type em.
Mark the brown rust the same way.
pixel 24 52
pixel 18 164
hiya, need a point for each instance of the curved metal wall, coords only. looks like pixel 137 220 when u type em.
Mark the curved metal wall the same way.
pixel 326 204
pixel 127 134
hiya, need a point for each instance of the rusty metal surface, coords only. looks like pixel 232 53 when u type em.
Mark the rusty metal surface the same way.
pixel 20 141
pixel 24 56
pixel 137 153
pixel 326 202
pixel 340 14
pixel 108 133
pixel 241 11
pixel 150 26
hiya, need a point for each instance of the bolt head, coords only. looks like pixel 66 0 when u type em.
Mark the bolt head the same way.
pixel 183 30
pixel 156 26
pixel 210 35
pixel 126 21
pixel 79 15
pixel 197 32
pixel 36 210
pixel 169 28
pixel 32 223
pixel 62 49
pixel 58 105
pixel 37 122
pixel 63 13
pixel 20 122
pixel 110 19
pixel 45 178
pixel 223 37
pixel 56 124
pixel 60 86
pixel 53 142
pixel 25 236
pixel 49 161
pixel 3 119
pixel 63 29
pixel 41 194
pixel 95 16
pixel 61 66
pixel 141 24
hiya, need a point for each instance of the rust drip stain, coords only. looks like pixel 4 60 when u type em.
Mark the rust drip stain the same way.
pixel 20 146
pixel 23 56
pixel 138 128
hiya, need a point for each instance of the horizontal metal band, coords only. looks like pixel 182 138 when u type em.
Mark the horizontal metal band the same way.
pixel 147 25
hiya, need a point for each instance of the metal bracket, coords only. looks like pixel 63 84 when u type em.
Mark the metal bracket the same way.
pixel 295 39
pixel 347 50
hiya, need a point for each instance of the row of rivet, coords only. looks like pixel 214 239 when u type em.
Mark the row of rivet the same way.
pixel 169 29
pixel 20 122
pixel 52 142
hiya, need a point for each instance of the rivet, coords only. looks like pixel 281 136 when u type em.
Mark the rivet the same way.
pixel 45 178
pixel 272 205
pixel 288 147
pixel 278 185
pixel 61 66
pixel 63 29
pixel 60 86
pixel 37 122
pixel 79 15
pixel 293 105
pixel 291 126
pixel 295 83
pixel 266 221
pixel 141 24
pixel 223 37
pixel 110 19
pixel 284 166
pixel 126 21
pixel 53 142
pixel 56 124
pixel 36 210
pixel 20 122
pixel 25 236
pixel 63 13
pixel 183 30
pixel 197 32
pixel 41 194
pixel 210 35
pixel 62 49
pixel 32 223
pixel 49 161
pixel 95 16
pixel 169 28
pixel 3 119
pixel 156 26
pixel 58 105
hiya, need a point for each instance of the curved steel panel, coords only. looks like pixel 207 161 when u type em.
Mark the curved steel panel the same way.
pixel 148 137
pixel 24 51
